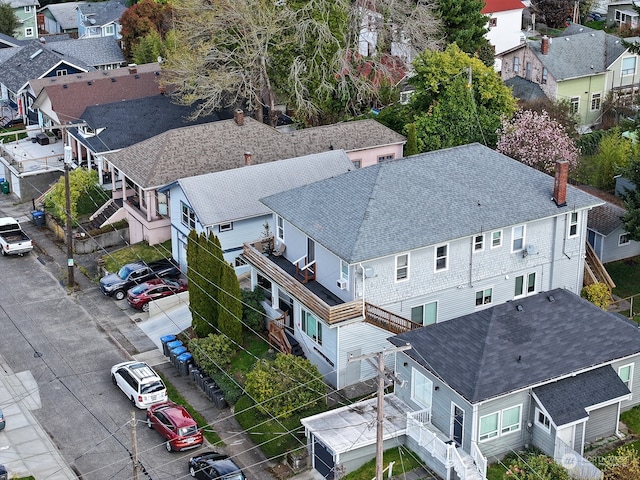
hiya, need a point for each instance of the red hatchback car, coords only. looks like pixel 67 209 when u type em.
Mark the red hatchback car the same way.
pixel 175 424
pixel 140 295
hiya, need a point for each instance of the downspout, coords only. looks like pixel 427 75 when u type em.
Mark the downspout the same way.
pixel 553 254
pixel 363 277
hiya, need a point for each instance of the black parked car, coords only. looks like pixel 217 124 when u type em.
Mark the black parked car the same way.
pixel 213 465
pixel 116 284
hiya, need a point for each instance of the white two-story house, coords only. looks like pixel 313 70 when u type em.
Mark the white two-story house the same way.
pixel 411 242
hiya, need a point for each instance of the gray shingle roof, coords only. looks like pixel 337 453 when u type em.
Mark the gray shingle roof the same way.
pixel 8 41
pixel 234 194
pixel 135 120
pixel 567 399
pixel 26 64
pixel 524 89
pixel 103 13
pixel 452 193
pixel 65 14
pixel 217 146
pixel 605 219
pixel 580 54
pixel 95 51
pixel 477 354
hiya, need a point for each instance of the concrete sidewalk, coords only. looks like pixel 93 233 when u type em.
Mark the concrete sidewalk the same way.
pixel 25 448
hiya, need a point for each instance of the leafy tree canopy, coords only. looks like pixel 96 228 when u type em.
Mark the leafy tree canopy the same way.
pixel 81 184
pixel 554 13
pixel 8 19
pixel 465 25
pixel 141 20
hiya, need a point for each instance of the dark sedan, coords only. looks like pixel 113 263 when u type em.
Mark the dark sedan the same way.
pixel 214 465
pixel 140 295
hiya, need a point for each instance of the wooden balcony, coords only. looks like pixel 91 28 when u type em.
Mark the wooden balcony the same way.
pixel 302 291
pixel 387 320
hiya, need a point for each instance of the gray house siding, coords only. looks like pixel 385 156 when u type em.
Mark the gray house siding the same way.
pixel 602 423
pixel 323 356
pixel 504 443
pixel 435 465
pixel 542 439
pixel 635 380
pixel 242 231
pixel 612 250
pixel 354 459
pixel 577 437
pixel 350 341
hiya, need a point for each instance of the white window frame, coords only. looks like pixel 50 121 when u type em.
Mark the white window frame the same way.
pixel 357 163
pixel 478 243
pixel 521 238
pixel 545 76
pixel 28 32
pixel 423 313
pixel 444 257
pixel 280 228
pixel 483 299
pixel 596 101
pixel 187 216
pixel 225 227
pixel 27 9
pixel 400 266
pixel 574 105
pixel 628 71
pixel 385 158
pixel 61 73
pixel 525 285
pixel 623 240
pixel 344 271
pixel 574 220
pixel 425 400
pixel 516 64
pixel 546 422
pixel 493 22
pixel 514 427
pixel 492 434
pixel 497 244
pixel 109 30
pixel 628 383
pixel 304 326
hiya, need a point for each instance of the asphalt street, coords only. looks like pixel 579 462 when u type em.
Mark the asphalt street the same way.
pixel 67 341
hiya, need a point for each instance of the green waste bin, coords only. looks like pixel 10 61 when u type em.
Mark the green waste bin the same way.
pixel 5 187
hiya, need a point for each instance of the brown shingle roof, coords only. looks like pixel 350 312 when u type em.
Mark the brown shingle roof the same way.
pixel 217 146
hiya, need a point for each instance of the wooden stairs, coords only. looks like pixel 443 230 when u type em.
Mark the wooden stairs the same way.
pixel 594 271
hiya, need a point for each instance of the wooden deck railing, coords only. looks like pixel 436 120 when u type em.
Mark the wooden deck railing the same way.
pixel 387 320
pixel 329 314
pixel 594 270
pixel 277 337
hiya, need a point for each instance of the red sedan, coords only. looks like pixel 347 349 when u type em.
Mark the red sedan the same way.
pixel 174 423
pixel 140 295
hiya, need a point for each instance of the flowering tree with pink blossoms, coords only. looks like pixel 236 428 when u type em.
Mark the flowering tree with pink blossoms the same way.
pixel 536 140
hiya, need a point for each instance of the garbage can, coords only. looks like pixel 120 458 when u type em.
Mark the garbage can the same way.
pixel 205 384
pixel 37 218
pixel 5 187
pixel 193 371
pixel 164 340
pixel 173 354
pixel 183 360
pixel 171 345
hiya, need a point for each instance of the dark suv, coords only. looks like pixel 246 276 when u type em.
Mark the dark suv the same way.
pixel 116 284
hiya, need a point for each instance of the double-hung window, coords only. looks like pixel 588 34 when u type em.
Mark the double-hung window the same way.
pixel 516 64
pixel 280 228
pixel 596 99
pixel 496 239
pixel 511 419
pixel 421 388
pixel 188 216
pixel 500 423
pixel 344 270
pixel 489 426
pixel 402 267
pixel 442 257
pixel 484 297
pixel 626 375
pixel 517 238
pixel 478 243
pixel 574 105
pixel 628 65
pixel 623 239
pixel 573 224
pixel 542 420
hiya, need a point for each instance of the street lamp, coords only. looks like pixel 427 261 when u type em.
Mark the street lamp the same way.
pixel 67 194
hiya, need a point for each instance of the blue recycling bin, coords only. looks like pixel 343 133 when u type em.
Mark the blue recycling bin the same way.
pixel 171 345
pixel 37 217
pixel 173 354
pixel 165 340
pixel 183 360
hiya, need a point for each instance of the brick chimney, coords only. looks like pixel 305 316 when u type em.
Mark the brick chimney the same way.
pixel 544 45
pixel 560 184
pixel 238 116
pixel 247 157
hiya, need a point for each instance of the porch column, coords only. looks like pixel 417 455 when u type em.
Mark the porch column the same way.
pixel 150 203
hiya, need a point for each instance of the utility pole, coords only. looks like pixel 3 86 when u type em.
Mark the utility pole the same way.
pixel 134 446
pixel 382 373
pixel 67 194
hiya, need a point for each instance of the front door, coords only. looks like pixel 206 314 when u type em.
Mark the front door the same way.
pixel 458 423
pixel 566 435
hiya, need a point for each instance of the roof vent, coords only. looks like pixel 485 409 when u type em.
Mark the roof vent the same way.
pixel 89 82
pixel 593 34
pixel 551 298
pixel 113 79
pixel 136 76
pixel 519 308
pixel 65 85
pixel 35 54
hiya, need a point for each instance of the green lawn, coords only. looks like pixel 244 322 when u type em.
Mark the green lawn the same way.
pixel 626 276
pixel 404 461
pixel 138 251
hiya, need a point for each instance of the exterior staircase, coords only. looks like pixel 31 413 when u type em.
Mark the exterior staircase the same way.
pixel 594 271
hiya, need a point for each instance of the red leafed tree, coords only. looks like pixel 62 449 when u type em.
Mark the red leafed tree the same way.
pixel 536 140
pixel 140 20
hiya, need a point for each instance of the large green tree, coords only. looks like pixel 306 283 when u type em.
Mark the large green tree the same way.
pixel 141 20
pixel 257 53
pixel 457 100
pixel 8 20
pixel 465 25
pixel 631 201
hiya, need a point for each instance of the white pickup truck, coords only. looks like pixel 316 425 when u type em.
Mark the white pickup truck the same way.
pixel 13 240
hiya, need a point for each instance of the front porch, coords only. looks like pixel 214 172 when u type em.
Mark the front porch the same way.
pixel 346 433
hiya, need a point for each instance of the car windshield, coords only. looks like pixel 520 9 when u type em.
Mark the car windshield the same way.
pixel 171 283
pixel 186 431
pixel 124 272
pixel 234 476
pixel 137 290
pixel 152 387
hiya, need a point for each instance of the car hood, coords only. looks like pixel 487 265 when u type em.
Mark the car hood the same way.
pixel 111 280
